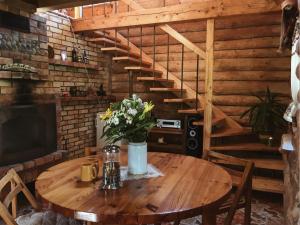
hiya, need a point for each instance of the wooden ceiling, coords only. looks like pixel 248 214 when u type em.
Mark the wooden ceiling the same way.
pixel 49 5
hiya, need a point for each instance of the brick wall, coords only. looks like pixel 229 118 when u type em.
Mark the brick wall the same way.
pixel 77 117
pixel 78 124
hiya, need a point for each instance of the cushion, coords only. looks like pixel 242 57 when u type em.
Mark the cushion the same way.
pixel 45 218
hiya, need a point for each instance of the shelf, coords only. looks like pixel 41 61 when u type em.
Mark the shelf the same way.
pixel 72 64
pixel 9 75
pixel 88 98
pixel 166 131
pixel 172 148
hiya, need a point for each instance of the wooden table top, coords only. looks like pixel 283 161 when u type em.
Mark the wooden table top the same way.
pixel 188 185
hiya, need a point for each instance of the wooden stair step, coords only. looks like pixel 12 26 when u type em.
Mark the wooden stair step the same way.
pixel 162 89
pixel 104 34
pixel 117 50
pixel 265 184
pixel 245 147
pixel 215 121
pixel 157 79
pixel 191 111
pixel 107 41
pixel 179 100
pixel 131 60
pixel 143 69
pixel 226 132
pixel 271 164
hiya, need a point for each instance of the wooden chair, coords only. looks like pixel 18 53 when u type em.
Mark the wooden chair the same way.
pixel 16 186
pixel 241 172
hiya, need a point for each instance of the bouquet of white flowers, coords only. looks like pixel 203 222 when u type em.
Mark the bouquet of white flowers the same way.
pixel 129 119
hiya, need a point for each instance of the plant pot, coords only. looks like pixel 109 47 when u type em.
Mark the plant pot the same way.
pixel 266 139
pixel 137 158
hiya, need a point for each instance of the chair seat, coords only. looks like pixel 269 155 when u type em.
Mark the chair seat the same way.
pixel 45 218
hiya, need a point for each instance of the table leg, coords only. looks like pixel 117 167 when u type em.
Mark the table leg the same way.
pixel 209 216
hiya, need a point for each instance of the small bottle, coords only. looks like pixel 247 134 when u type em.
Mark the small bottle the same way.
pixel 74 55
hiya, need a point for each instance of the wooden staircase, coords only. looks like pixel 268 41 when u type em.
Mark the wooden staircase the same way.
pixel 223 127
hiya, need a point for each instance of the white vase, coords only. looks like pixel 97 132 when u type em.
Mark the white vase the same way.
pixel 137 158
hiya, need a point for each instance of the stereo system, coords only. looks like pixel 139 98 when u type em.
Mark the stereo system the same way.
pixel 162 123
pixel 193 137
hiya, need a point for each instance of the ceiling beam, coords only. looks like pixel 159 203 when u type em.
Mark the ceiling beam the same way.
pixel 49 5
pixel 176 13
pixel 19 4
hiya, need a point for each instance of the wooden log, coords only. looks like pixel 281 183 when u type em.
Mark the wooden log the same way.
pixel 221 23
pixel 240 76
pixel 253 43
pixel 227 54
pixel 240 100
pixel 245 87
pixel 221 35
pixel 249 64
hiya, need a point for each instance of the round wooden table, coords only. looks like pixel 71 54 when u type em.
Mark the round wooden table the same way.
pixel 189 187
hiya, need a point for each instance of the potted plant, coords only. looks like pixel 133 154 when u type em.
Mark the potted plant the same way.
pixel 266 116
pixel 131 120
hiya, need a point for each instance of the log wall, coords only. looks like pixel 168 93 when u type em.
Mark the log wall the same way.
pixel 246 58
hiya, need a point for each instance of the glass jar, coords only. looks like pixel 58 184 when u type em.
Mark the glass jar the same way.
pixel 111 167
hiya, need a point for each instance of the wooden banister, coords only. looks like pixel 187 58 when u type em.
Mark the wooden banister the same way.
pixel 169 30
pixel 209 67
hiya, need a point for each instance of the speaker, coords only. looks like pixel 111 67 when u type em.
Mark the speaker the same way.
pixel 193 136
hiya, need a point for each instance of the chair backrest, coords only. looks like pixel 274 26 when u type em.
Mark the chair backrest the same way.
pixel 16 186
pixel 244 175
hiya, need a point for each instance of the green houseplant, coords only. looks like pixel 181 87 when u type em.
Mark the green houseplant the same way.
pixel 266 116
pixel 131 120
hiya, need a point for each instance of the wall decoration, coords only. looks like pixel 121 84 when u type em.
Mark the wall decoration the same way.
pixel 50 52
pixel 63 55
pixel 18 67
pixel 14 42
pixel 74 55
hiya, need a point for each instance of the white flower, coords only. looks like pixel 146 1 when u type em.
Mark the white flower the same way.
pixel 116 121
pixel 134 97
pixel 132 112
pixel 129 121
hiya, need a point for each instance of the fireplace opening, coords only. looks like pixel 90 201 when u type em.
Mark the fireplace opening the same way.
pixel 27 132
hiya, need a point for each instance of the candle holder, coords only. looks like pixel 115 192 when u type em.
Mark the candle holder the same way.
pixel 111 167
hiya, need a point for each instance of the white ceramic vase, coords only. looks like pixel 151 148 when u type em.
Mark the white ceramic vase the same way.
pixel 137 158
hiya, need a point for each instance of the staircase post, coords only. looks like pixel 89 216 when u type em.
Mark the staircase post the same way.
pixel 130 83
pixel 209 67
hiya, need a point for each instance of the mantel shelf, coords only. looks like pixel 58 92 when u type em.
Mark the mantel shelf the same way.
pixel 88 98
pixel 72 64
pixel 9 75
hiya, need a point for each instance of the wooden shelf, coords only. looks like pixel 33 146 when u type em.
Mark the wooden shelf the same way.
pixel 9 75
pixel 166 131
pixel 88 98
pixel 72 64
pixel 166 147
